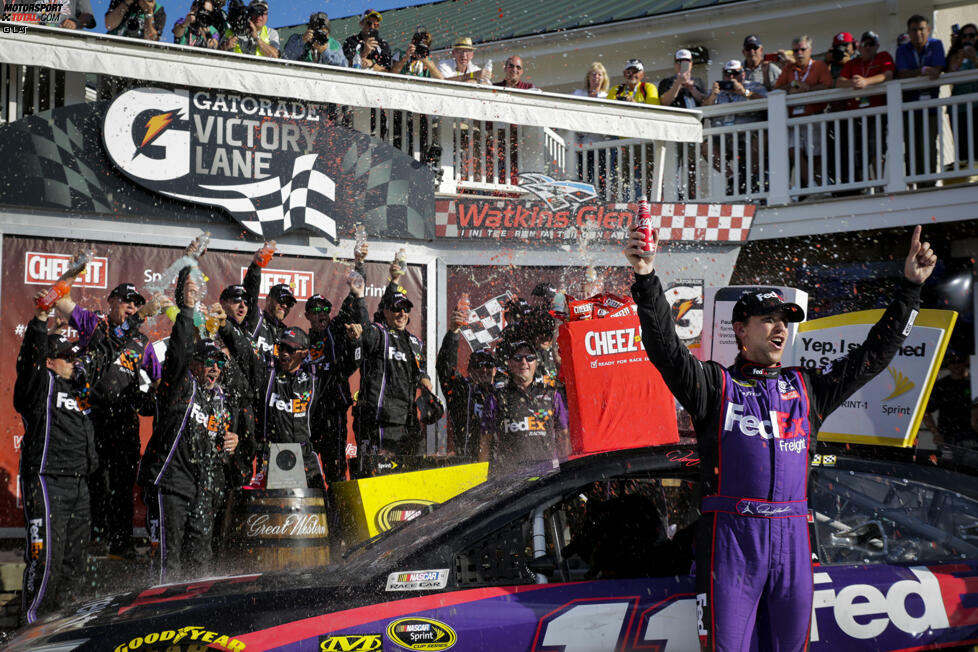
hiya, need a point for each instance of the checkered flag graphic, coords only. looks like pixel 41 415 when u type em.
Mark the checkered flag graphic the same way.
pixel 487 322
pixel 277 207
pixel 53 165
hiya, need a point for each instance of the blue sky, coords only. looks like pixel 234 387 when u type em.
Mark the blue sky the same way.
pixel 291 12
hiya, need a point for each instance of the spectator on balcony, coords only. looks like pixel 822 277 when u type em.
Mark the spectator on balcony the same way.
pixel 803 75
pixel 596 82
pixel 682 90
pixel 142 19
pixel 365 49
pixel 248 31
pixel 921 56
pixel 202 27
pixel 842 51
pixel 417 61
pixel 635 89
pixel 315 45
pixel 871 68
pixel 756 69
pixel 735 88
pixel 513 75
pixel 460 66
pixel 962 56
pixel 73 14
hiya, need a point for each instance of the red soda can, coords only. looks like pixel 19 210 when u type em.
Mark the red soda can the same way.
pixel 646 228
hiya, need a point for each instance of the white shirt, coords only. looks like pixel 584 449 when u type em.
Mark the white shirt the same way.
pixel 583 93
pixel 447 69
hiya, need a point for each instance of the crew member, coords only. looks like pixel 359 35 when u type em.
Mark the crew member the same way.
pixel 266 327
pixel 52 394
pixel 755 424
pixel 181 472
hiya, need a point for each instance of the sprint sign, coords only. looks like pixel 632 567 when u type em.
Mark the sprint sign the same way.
pixel 616 398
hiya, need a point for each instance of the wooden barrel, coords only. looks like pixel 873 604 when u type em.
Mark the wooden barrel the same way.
pixel 275 529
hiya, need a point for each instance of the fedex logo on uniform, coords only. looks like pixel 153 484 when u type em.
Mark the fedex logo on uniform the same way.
pixel 777 427
pixel 45 269
pixel 302 283
pixel 623 340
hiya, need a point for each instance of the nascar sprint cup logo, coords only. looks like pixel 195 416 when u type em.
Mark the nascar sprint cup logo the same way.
pixel 273 165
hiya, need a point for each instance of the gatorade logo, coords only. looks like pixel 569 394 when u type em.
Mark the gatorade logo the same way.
pixel 600 343
pixel 777 427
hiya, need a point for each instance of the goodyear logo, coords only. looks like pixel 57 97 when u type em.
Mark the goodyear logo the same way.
pixel 350 643
pixel 399 511
pixel 191 634
pixel 421 634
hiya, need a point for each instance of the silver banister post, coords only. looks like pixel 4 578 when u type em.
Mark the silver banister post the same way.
pixel 777 121
pixel 894 138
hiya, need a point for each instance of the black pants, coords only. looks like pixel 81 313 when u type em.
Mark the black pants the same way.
pixel 329 442
pixel 180 531
pixel 117 445
pixel 58 518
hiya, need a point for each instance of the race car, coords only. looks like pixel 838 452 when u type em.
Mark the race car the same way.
pixel 592 556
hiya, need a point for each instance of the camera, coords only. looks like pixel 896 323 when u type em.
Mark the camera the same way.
pixel 420 40
pixel 374 34
pixel 726 85
pixel 318 22
pixel 839 53
pixel 238 17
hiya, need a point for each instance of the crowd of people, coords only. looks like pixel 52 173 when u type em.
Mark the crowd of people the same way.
pixel 236 379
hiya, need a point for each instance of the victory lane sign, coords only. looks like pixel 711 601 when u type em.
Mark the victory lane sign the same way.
pixel 273 165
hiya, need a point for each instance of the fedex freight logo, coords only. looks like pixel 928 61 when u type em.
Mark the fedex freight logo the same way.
pixel 613 342
pixel 45 269
pixel 302 283
pixel 777 427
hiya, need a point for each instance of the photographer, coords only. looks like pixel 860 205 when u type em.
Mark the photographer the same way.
pixel 142 19
pixel 417 60
pixel 315 45
pixel 366 50
pixel 248 31
pixel 202 27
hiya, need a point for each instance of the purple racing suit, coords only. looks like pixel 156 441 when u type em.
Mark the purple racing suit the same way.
pixel 755 429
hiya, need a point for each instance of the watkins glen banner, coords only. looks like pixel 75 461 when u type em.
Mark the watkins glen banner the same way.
pixel 272 165
pixel 539 221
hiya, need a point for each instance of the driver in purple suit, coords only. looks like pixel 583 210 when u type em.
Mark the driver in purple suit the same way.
pixel 756 424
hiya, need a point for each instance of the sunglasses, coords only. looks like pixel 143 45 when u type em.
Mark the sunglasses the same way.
pixel 210 362
pixel 484 364
pixel 799 49
pixel 285 348
pixel 753 47
pixel 970 35
pixel 520 357
pixel 320 310
pixel 406 311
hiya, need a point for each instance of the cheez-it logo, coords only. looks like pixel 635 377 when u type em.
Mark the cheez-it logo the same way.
pixel 42 268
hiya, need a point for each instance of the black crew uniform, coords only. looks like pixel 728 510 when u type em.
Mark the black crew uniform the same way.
pixel 466 399
pixel 263 329
pixel 57 455
pixel 182 473
pixel 526 426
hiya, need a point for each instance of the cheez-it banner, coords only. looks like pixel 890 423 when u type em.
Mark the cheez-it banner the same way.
pixel 33 264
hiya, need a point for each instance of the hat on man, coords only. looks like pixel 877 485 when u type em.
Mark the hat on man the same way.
pixel 234 293
pixel 463 43
pixel 764 302
pixel 753 42
pixel 371 13
pixel 684 55
pixel 318 301
pixel 870 35
pixel 127 292
pixel 400 302
pixel 208 350
pixel 294 337
pixel 60 346
pixel 733 65
pixel 482 358
pixel 283 294
pixel 842 38
pixel 634 63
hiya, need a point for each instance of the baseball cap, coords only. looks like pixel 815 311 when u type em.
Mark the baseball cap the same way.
pixel 318 301
pixel 295 337
pixel 684 55
pixel 463 43
pixel 400 302
pixel 371 13
pixel 764 302
pixel 258 6
pixel 513 347
pixel 208 349
pixel 60 346
pixel 842 38
pixel 483 357
pixel 870 35
pixel 733 65
pixel 634 63
pixel 283 294
pixel 233 292
pixel 752 41
pixel 127 292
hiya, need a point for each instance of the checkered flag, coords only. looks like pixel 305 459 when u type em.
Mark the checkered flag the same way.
pixel 487 322
pixel 277 207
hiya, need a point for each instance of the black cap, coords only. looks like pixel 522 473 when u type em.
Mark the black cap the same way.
pixel 545 290
pixel 399 301
pixel 870 35
pixel 233 293
pixel 483 357
pixel 60 346
pixel 764 302
pixel 509 348
pixel 317 300
pixel 127 292
pixel 295 337
pixel 752 41
pixel 283 294
pixel 953 356
pixel 208 349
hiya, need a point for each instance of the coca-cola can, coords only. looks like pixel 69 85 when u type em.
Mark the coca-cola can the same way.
pixel 650 236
